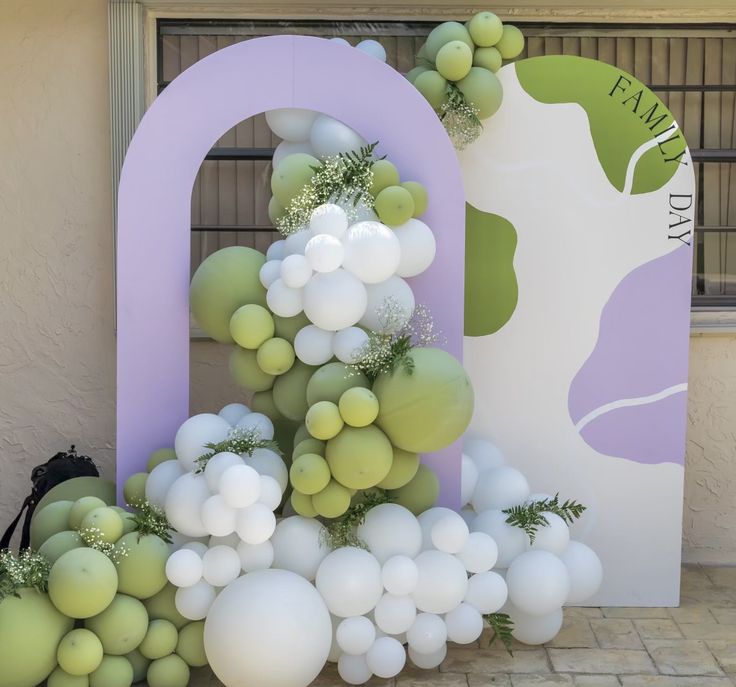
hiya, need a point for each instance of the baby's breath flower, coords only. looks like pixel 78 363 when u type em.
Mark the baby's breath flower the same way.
pixel 460 119
pixel 27 569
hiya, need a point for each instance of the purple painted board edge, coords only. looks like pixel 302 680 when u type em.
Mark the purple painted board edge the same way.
pixel 154 199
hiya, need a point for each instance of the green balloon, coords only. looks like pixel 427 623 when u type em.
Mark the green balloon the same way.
pixel 433 86
pixel 128 519
pixel 302 505
pixel 422 52
pixel 251 325
pixel 142 564
pixel 82 583
pixel 191 644
pixel 483 89
pixel 288 327
pixel 445 33
pixel 275 210
pixel 419 195
pixel 485 29
pixel 412 74
pixel 488 58
pixel 283 434
pixel 309 474
pixel 159 456
pixel 324 420
pixel 290 391
pixel 454 60
pixel 134 489
pixel 58 544
pixel 246 372
pixel 80 652
pixel 77 487
pixel 225 281
pixel 140 665
pixel 358 407
pixel 301 434
pixel 332 501
pixel 114 671
pixel 171 671
pixel 81 507
pixel 403 469
pixel 262 402
pixel 384 174
pixel 359 457
pixel 394 205
pixel 103 524
pixel 160 640
pixel 50 520
pixel 122 626
pixel 331 381
pixel 420 493
pixel 30 632
pixel 309 445
pixel 275 356
pixel 162 605
pixel 512 42
pixel 61 679
pixel 293 173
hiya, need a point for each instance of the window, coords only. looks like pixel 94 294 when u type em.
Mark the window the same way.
pixel 693 70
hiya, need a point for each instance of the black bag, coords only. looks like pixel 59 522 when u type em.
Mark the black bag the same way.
pixel 61 467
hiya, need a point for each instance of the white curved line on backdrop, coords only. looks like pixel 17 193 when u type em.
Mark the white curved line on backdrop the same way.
pixel 637 155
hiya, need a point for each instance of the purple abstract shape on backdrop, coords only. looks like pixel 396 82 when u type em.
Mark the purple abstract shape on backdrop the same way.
pixel 160 167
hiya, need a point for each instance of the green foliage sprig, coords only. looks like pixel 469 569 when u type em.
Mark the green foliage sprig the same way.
pixel 530 515
pixel 150 519
pixel 502 627
pixel 342 531
pixel 238 441
pixel 460 118
pixel 27 569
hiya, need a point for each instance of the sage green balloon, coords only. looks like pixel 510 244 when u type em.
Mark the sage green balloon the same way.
pixel 428 409
pixel 225 281
pixel 290 391
pixel 293 173
pixel 114 671
pixel 80 652
pixel 128 519
pixel 511 43
pixel 433 86
pixel 331 381
pixel 134 489
pixel 454 60
pixel 76 488
pixel 160 640
pixel 140 665
pixel 103 524
pixel 251 325
pixel 309 474
pixel 309 445
pixel 275 210
pixel 82 582
pixel 488 58
pixel 61 679
pixel 246 372
pixel 302 504
pixel 142 564
pixel 420 493
pixel 332 501
pixel 275 356
pixel 403 468
pixel 262 402
pixel 58 544
pixel 162 605
pixel 301 434
pixel 483 89
pixel 324 420
pixel 288 327
pixel 384 174
pixel 122 626
pixel 485 29
pixel 170 671
pixel 283 434
pixel 159 456
pixel 419 195
pixel 443 34
pixel 30 631
pixel 412 74
pixel 50 520
pixel 359 457
pixel 191 644
pixel 394 205
pixel 81 507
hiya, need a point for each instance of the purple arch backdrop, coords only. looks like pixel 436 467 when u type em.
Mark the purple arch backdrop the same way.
pixel 155 195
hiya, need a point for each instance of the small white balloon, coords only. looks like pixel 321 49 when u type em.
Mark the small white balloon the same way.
pixel 324 252
pixel 356 635
pixel 221 566
pixel 240 486
pixel 195 602
pixel 312 345
pixel 291 123
pixel 427 519
pixel 386 657
pixel 450 533
pixel 554 536
pixel 331 137
pixel 511 541
pixel 479 553
pixel 183 506
pixel 184 568
pixel 464 624
pixel 394 291
pixel 269 273
pixel 198 547
pixel 349 344
pixel 341 41
pixel 585 570
pixel 160 480
pixel 217 516
pixel 354 669
pixel 283 300
pixel 349 580
pixel 487 592
pixel 193 435
pixel 298 546
pixel 395 614
pixel 217 465
pixel 329 219
pixel 271 493
pixel 372 252
pixel 234 412
pixel 429 660
pixel 286 148
pixel 500 488
pixel 418 247
pixel 295 271
pixel 374 49
pixel 255 556
pixel 427 634
pixel 468 479
pixel 295 243
pixel 267 462
pixel 534 629
pixel 255 524
pixel 276 250
pixel 538 582
pixel 391 530
pixel 335 300
pixel 441 584
pixel 399 575
pixel 259 422
pixel 485 455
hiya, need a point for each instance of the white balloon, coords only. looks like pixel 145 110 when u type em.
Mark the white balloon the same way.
pixel 553 537
pixel 349 344
pixel 450 533
pixel 479 553
pixel 276 250
pixel 286 148
pixel 487 592
pixel 427 519
pixel 330 137
pixel 354 669
pixel 269 628
pixel 160 480
pixel 349 580
pixel 334 300
pixel 468 479
pixel 240 486
pixel 221 565
pixel 218 517
pixel 538 496
pixel 255 524
pixel 329 219
pixel 312 345
pixel 429 660
pixel 269 273
pixel 485 455
pixel 194 602
pixel 217 465
pixel 356 635
pixel 324 252
pixel 386 657
pixel 295 243
pixel 399 575
pixel 197 431
pixel 198 547
pixel 534 629
pixel 500 488
pixel 267 462
pixel 295 271
pixel 291 123
pixel 372 252
pixel 464 624
pixel 184 568
pixel 255 556
pixel 184 502
pixel 260 422
pixel 271 493
pixel 391 530
pixel 511 541
pixel 374 49
pixel 231 540
pixel 335 650
pixel 394 291
pixel 585 570
pixel 418 247
pixel 283 300
pixel 441 584
pixel 234 412
pixel 341 41
pixel 468 514
pixel 298 546
pixel 427 634
pixel 395 614
pixel 538 582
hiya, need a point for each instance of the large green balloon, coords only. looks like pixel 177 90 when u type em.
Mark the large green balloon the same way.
pixel 159 456
pixel 443 34
pixel 246 372
pixel 483 89
pixel 58 544
pixel 114 671
pixel 359 457
pixel 262 402
pixel 331 381
pixel 160 639
pixel 30 632
pixel 171 671
pixel 48 521
pixel 79 652
pixel 77 487
pixel 223 282
pixel 82 583
pixel 162 605
pixel 61 679
pixel 428 409
pixel 421 493
pixel 290 391
pixel 122 626
pixel 142 568
pixel 433 86
pixel 288 327
pixel 140 665
pixel 191 644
